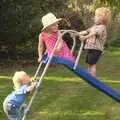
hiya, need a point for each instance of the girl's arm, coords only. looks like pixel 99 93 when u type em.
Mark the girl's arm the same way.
pixel 40 48
pixel 59 42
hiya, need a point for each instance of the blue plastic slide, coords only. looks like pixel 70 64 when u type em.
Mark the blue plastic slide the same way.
pixel 88 78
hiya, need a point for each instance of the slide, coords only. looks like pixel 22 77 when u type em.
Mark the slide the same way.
pixel 88 78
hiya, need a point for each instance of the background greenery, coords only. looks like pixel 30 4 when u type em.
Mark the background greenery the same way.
pixel 20 20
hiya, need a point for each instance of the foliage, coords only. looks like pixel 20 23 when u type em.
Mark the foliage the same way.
pixel 20 21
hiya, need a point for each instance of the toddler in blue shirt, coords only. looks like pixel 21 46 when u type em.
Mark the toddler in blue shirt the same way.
pixel 13 103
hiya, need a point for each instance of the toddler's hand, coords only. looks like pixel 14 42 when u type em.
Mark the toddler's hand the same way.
pixel 36 85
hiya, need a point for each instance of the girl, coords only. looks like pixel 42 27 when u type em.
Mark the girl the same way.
pixel 95 38
pixel 49 35
pixel 12 104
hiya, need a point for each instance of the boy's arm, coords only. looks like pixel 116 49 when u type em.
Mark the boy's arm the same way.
pixel 85 32
pixel 40 48
pixel 89 35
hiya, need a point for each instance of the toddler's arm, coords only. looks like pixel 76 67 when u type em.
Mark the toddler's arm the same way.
pixel 40 48
pixel 31 87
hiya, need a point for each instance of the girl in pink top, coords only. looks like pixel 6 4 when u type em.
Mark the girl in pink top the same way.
pixel 49 35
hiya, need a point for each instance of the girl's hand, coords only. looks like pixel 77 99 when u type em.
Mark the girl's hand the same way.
pixel 56 51
pixel 59 46
pixel 39 59
pixel 59 42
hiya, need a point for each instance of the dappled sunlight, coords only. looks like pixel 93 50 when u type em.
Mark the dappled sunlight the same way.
pixel 63 78
pixel 5 77
pixel 116 53
pixel 77 79
pixel 107 80
pixel 71 113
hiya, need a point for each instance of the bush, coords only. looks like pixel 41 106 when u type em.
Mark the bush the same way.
pixel 114 43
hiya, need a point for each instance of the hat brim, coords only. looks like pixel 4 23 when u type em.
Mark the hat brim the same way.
pixel 57 20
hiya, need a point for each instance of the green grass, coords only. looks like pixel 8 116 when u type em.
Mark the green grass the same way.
pixel 63 96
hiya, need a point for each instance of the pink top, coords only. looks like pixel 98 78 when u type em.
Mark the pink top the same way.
pixel 50 43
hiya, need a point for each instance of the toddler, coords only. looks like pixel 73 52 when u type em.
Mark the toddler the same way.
pixel 13 103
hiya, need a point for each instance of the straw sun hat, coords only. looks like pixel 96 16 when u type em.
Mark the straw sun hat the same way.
pixel 49 19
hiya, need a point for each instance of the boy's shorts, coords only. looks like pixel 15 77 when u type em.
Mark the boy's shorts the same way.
pixel 92 56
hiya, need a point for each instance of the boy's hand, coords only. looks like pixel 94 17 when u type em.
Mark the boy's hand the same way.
pixel 82 37
pixel 83 33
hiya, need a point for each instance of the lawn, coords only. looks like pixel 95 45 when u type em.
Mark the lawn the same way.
pixel 64 96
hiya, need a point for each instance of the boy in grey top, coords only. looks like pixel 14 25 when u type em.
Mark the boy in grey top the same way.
pixel 95 38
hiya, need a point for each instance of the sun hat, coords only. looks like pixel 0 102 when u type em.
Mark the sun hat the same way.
pixel 49 19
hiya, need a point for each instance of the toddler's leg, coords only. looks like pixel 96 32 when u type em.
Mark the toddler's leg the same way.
pixel 11 112
pixel 22 110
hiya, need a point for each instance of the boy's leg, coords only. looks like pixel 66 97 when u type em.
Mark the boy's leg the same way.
pixel 92 69
pixel 92 58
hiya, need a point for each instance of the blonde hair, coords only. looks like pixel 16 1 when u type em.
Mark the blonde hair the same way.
pixel 104 13
pixel 17 77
